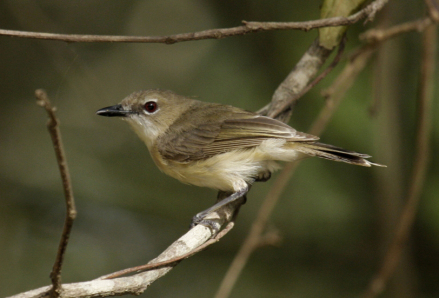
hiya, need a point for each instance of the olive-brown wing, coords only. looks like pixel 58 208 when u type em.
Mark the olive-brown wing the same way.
pixel 225 131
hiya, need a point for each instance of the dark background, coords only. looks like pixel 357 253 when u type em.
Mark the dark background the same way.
pixel 335 219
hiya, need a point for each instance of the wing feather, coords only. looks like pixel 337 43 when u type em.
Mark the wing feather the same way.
pixel 224 129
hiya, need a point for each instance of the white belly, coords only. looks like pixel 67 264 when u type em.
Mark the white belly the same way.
pixel 231 171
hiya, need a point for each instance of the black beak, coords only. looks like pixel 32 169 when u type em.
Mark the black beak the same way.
pixel 113 111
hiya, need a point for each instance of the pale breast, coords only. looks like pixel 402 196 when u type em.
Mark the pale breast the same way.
pixel 229 171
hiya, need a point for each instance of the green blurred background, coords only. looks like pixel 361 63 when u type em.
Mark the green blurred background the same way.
pixel 335 219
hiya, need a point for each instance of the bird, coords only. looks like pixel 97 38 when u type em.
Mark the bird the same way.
pixel 218 146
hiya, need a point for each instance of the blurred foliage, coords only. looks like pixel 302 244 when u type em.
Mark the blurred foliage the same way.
pixel 333 217
pixel 330 37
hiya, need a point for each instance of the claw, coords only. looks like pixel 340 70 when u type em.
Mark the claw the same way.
pixel 263 176
pixel 212 224
pixel 199 218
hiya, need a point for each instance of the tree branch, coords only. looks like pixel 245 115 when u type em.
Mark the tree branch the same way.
pixel 248 27
pixel 377 35
pixel 53 126
pixel 151 266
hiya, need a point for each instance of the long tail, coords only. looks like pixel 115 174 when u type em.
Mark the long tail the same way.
pixel 335 153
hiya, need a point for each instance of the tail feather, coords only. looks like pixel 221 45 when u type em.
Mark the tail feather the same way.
pixel 336 154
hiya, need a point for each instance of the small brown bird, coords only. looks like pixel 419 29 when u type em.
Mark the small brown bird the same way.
pixel 218 146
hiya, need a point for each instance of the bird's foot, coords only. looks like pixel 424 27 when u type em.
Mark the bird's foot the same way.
pixel 263 176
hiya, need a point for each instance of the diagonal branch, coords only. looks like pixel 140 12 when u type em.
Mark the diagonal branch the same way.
pixel 152 266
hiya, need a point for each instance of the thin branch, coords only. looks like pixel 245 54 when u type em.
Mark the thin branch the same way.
pixel 406 220
pixel 53 126
pixel 248 27
pixel 377 35
pixel 151 266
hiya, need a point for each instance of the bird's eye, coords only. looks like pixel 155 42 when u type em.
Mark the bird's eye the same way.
pixel 150 106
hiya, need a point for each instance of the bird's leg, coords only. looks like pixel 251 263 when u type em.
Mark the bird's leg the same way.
pixel 233 197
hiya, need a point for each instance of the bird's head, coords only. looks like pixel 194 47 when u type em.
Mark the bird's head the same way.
pixel 150 112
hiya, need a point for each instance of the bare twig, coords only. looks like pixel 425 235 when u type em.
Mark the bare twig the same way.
pixel 53 126
pixel 377 35
pixel 248 27
pixel 152 266
pixel 406 220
